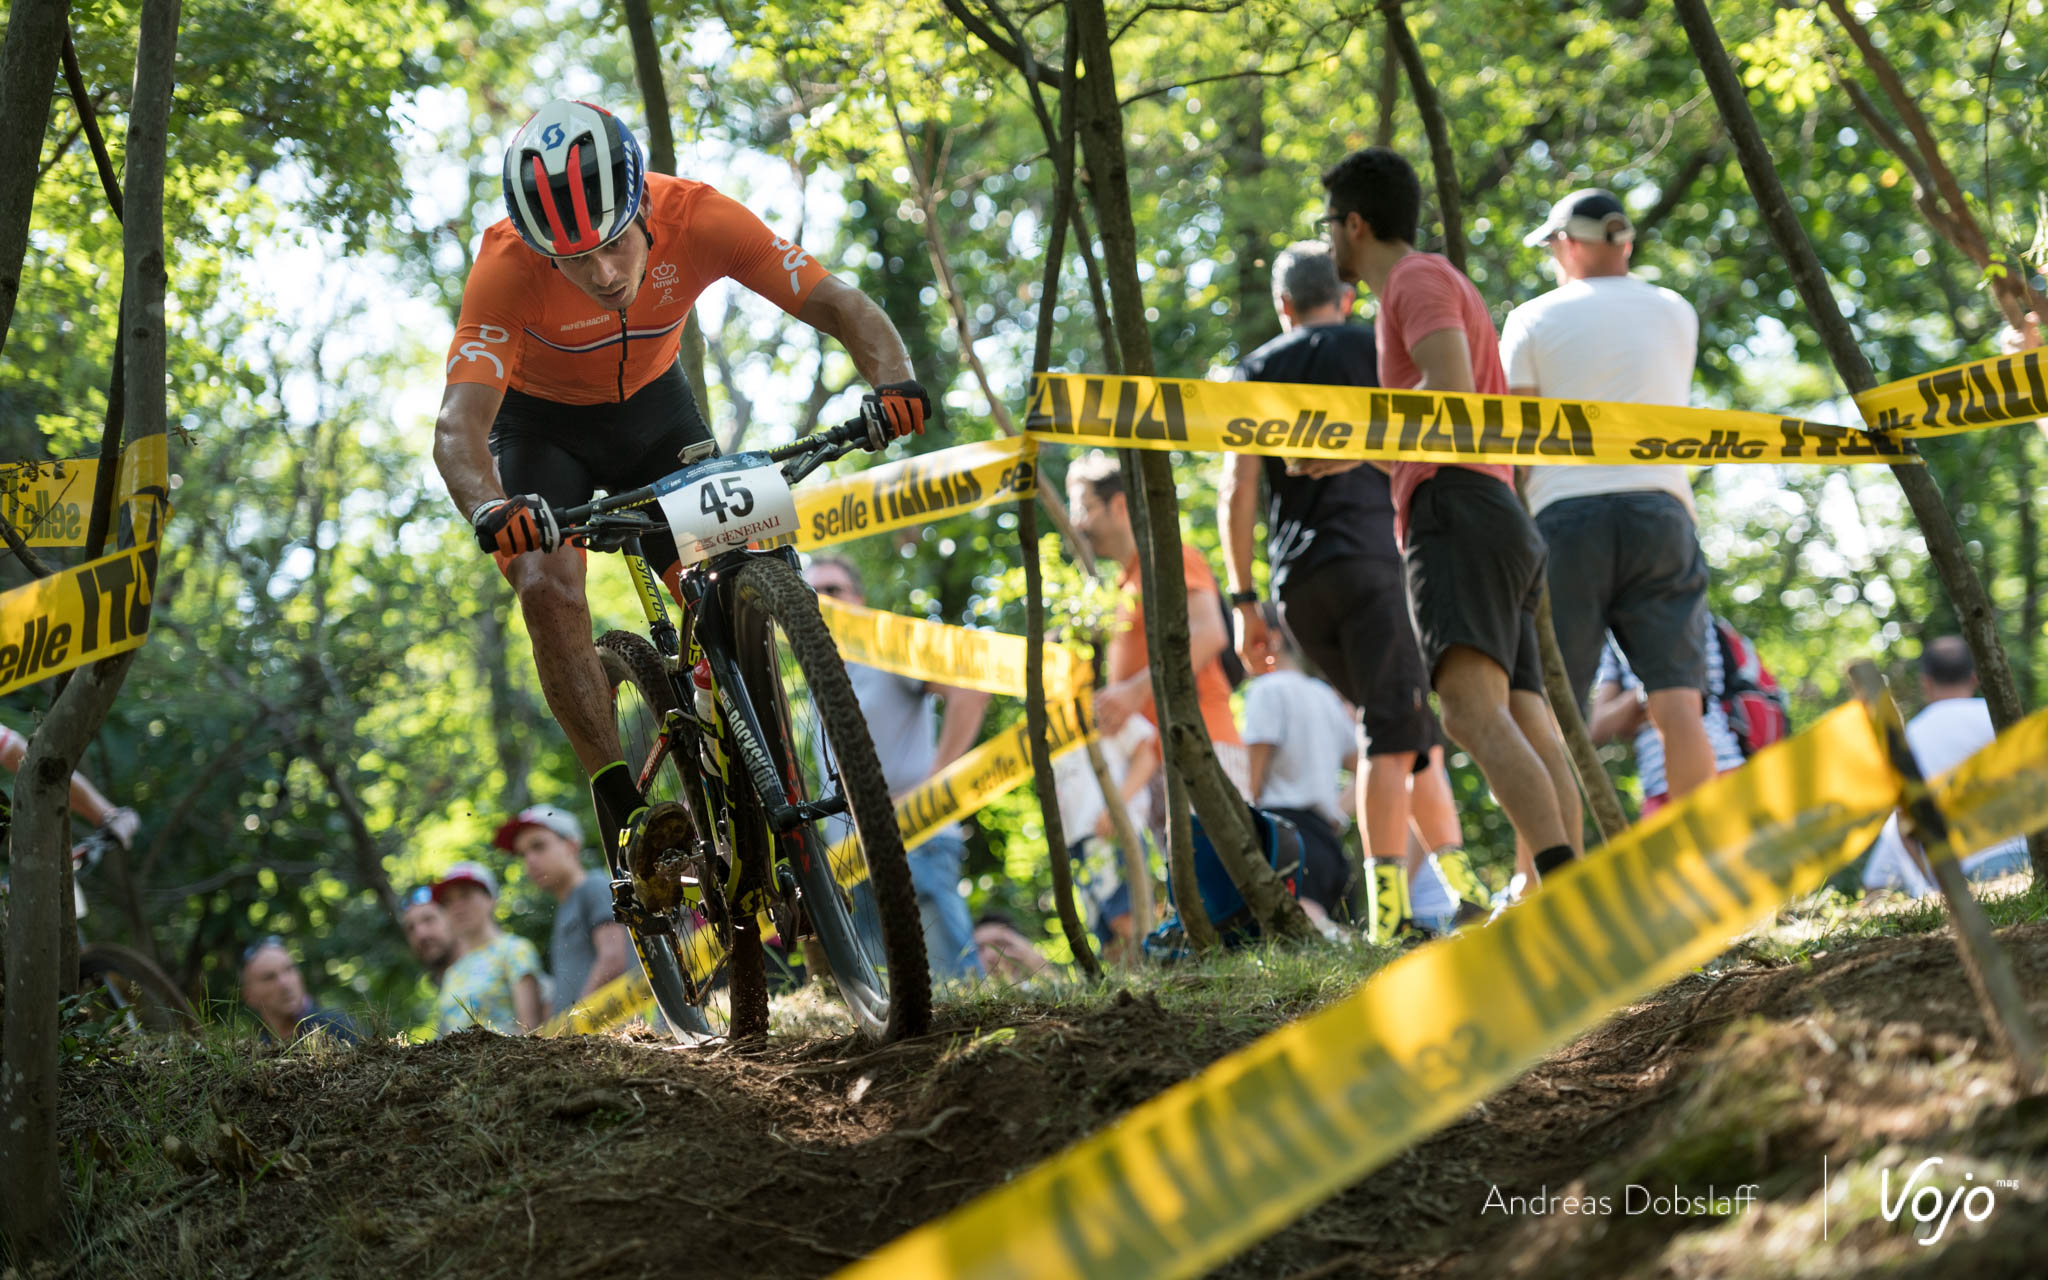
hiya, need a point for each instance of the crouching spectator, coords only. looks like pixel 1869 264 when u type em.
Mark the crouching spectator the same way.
pixel 275 992
pixel 495 979
pixel 1302 743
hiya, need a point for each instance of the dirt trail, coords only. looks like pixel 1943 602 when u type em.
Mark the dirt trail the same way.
pixel 482 1156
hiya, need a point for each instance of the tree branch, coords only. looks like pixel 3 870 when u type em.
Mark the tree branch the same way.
pixel 1012 53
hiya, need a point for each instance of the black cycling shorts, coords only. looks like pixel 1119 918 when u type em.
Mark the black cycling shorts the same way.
pixel 567 452
pixel 1349 616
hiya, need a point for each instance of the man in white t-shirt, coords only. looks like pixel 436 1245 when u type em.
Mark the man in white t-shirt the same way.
pixel 1302 740
pixel 1133 759
pixel 1953 726
pixel 1624 550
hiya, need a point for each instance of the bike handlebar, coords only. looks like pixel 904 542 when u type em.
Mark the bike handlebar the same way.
pixel 606 523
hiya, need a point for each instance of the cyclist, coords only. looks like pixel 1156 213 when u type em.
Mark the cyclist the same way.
pixel 86 800
pixel 562 378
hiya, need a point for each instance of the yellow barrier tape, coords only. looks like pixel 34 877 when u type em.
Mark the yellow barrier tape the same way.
pixel 1964 397
pixel 975 780
pixel 916 490
pixel 1231 1156
pixel 1289 420
pixel 100 608
pixel 49 503
pixel 619 1001
pixel 919 649
pixel 2001 791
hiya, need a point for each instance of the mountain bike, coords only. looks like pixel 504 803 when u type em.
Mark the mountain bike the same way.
pixel 769 810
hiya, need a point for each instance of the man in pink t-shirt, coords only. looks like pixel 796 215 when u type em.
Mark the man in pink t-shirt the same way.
pixel 1472 558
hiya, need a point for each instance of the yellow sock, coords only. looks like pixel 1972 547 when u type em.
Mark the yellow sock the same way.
pixel 1387 898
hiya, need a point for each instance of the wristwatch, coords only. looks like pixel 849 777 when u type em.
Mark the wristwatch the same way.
pixel 1248 596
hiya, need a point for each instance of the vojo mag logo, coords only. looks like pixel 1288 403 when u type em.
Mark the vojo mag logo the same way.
pixel 1930 1206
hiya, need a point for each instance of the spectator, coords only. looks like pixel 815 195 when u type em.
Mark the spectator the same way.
pixel 1101 514
pixel 1302 740
pixel 914 747
pixel 426 932
pixel 1954 725
pixel 86 800
pixel 1335 571
pixel 1621 709
pixel 1006 954
pixel 1092 844
pixel 275 991
pixel 1625 554
pixel 587 946
pixel 1472 559
pixel 495 979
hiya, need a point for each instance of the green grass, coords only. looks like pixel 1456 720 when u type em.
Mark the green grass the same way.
pixel 1827 919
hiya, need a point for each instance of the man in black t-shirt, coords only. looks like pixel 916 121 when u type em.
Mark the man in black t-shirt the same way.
pixel 1336 573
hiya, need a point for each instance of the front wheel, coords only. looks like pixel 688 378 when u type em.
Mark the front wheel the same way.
pixel 851 872
pixel 124 981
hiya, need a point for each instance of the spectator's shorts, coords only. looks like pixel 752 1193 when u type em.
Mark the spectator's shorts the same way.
pixel 1475 566
pixel 1349 616
pixel 567 452
pixel 1630 563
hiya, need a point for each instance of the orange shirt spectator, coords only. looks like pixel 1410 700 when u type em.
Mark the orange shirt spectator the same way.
pixel 1127 652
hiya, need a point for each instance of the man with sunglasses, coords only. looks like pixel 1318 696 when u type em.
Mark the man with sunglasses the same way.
pixel 275 991
pixel 426 932
pixel 1472 559
pixel 562 378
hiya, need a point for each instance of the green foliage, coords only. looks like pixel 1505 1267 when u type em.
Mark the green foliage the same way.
pixel 339 696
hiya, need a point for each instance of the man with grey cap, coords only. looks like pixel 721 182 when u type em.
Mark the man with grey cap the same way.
pixel 1624 547
pixel 587 947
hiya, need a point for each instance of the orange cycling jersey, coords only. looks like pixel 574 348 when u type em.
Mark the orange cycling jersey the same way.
pixel 525 326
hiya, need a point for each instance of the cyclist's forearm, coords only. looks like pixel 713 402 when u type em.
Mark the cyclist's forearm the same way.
pixel 462 448
pixel 1240 517
pixel 87 802
pixel 863 329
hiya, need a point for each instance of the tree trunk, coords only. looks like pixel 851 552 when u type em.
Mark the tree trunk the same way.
pixel 1137 871
pixel 28 79
pixel 1148 482
pixel 1601 797
pixel 1041 748
pixel 2029 553
pixel 1442 161
pixel 1387 96
pixel 29 1182
pixel 661 158
pixel 1944 546
pixel 1256 322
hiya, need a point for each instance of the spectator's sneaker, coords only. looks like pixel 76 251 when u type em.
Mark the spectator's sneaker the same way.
pixel 1507 897
pixel 1407 934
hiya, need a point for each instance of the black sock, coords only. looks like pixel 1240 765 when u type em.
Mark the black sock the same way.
pixel 616 799
pixel 1554 858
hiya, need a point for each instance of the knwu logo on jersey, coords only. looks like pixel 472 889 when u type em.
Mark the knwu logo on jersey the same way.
pixel 1933 1207
pixel 663 277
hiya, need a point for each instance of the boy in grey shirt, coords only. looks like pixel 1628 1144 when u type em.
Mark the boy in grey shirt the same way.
pixel 588 948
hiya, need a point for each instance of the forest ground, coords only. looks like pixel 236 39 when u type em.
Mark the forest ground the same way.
pixel 1845 1032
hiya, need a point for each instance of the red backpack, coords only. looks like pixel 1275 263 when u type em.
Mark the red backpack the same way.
pixel 1758 710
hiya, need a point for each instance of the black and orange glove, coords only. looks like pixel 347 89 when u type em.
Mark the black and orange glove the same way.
pixel 513 526
pixel 901 408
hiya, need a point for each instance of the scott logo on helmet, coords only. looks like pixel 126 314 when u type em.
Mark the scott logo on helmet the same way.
pixel 552 136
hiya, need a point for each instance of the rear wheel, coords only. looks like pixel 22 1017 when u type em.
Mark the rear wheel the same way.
pixel 689 968
pixel 851 872
pixel 124 980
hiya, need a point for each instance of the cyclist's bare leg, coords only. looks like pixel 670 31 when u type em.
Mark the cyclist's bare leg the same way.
pixel 550 589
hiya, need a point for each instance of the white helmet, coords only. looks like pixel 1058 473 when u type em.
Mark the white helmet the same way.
pixel 574 179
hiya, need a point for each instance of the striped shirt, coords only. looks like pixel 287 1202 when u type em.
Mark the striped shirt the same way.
pixel 1649 743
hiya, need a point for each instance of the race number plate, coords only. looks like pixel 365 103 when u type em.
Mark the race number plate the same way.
pixel 729 509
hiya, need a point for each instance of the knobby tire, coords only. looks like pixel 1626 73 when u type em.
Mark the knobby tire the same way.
pixel 769 597
pixel 154 1000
